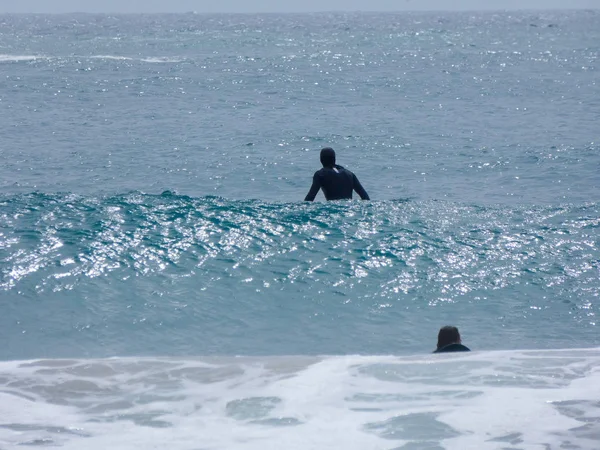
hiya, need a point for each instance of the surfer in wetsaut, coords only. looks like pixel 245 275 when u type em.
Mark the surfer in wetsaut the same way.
pixel 336 182
pixel 449 341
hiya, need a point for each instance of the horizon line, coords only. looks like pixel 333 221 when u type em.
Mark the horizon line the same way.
pixel 364 11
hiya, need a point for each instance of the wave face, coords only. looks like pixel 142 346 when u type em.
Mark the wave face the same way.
pixel 535 399
pixel 142 274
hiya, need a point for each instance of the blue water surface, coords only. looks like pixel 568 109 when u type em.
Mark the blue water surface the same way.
pixel 152 169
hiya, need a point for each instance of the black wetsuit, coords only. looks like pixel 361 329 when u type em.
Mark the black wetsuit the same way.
pixel 337 184
pixel 453 348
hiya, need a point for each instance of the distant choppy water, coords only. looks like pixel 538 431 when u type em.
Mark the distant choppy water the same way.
pixel 152 170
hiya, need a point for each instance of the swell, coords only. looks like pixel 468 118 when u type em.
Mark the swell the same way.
pixel 66 236
pixel 343 275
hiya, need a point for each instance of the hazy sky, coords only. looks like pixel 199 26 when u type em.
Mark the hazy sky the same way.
pixel 61 6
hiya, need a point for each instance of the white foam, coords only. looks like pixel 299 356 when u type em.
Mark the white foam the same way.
pixel 17 58
pixel 162 59
pixel 526 400
pixel 112 57
pixel 151 59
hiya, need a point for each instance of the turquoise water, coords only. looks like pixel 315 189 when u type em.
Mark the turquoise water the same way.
pixel 144 274
pixel 151 174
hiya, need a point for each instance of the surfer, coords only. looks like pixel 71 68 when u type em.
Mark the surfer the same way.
pixel 336 182
pixel 449 341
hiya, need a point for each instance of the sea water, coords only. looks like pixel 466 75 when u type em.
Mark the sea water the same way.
pixel 163 285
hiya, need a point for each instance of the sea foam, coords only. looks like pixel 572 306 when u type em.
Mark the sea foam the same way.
pixel 524 400
pixel 18 58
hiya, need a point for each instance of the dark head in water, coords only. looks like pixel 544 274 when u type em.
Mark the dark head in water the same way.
pixel 328 157
pixel 449 341
pixel 448 335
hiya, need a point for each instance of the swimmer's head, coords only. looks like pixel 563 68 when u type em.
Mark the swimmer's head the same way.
pixel 328 157
pixel 448 335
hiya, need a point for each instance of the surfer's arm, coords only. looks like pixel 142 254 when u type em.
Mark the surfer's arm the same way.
pixel 314 189
pixel 359 189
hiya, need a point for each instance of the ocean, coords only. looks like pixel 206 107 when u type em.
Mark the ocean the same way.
pixel 164 285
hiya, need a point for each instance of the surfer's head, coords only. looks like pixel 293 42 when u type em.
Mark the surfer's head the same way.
pixel 448 335
pixel 328 157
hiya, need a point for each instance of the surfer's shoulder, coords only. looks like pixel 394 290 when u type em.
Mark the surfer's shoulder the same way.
pixel 451 348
